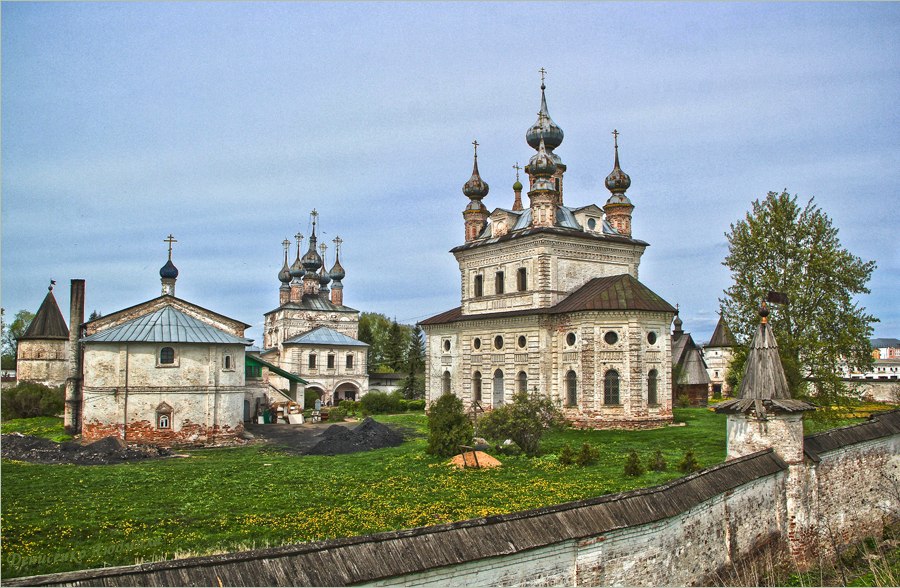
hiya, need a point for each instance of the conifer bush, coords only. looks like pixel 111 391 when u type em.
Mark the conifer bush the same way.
pixel 689 463
pixel 657 462
pixel 567 455
pixel 448 426
pixel 587 455
pixel 633 465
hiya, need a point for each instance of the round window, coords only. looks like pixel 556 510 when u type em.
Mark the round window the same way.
pixel 611 337
pixel 651 337
pixel 592 224
pixel 570 339
pixel 498 341
pixel 447 345
pixel 521 341
pixel 476 343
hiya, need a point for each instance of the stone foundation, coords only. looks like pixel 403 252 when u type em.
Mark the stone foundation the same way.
pixel 146 433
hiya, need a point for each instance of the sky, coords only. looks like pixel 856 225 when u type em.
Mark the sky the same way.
pixel 225 124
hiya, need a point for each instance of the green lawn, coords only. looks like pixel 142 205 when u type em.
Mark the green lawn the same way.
pixel 67 517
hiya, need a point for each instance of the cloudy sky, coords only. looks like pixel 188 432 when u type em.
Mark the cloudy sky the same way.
pixel 226 123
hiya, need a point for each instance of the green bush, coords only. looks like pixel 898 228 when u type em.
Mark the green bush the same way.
pixel 657 463
pixel 336 414
pixel 403 405
pixel 26 400
pixel 587 455
pixel 633 465
pixel 567 455
pixel 689 463
pixel 309 398
pixel 524 421
pixel 380 403
pixel 416 405
pixel 684 401
pixel 448 426
pixel 349 406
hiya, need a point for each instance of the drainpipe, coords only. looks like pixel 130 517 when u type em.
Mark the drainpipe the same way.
pixel 125 403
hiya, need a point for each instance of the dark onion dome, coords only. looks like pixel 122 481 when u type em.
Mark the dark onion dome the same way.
pixel 311 260
pixel 337 270
pixel 168 271
pixel 541 163
pixel 324 277
pixel 475 188
pixel 284 276
pixel 544 128
pixel 617 181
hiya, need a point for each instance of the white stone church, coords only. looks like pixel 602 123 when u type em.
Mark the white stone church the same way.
pixel 551 302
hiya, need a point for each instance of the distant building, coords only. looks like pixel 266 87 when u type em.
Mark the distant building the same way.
pixel 42 353
pixel 885 348
pixel 163 371
pixel 690 377
pixel 717 354
pixel 551 302
pixel 312 334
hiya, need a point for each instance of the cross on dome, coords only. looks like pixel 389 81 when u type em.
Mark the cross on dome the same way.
pixel 170 239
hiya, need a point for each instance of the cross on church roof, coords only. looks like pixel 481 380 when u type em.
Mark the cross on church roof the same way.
pixel 543 73
pixel 517 167
pixel 170 239
pixel 615 135
pixel 337 243
pixel 475 143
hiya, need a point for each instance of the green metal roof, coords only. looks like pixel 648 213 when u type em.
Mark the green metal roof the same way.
pixel 166 325
pixel 255 360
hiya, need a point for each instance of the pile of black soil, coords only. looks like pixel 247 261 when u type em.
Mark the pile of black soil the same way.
pixel 108 450
pixel 368 435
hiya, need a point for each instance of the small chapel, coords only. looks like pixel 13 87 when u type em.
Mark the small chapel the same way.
pixel 551 301
pixel 311 334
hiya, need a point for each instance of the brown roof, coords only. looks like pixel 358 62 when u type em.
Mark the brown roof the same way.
pixel 621 292
pixel 722 336
pixel 686 354
pixel 48 323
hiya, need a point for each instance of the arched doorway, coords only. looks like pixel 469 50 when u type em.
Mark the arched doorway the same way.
pixel 498 388
pixel 346 391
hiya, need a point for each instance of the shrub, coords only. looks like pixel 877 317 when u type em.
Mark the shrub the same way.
pixel 524 421
pixel 337 414
pixel 309 398
pixel 587 455
pixel 567 455
pixel 657 463
pixel 448 426
pixel 349 406
pixel 689 463
pixel 403 405
pixel 380 403
pixel 633 465
pixel 416 405
pixel 684 401
pixel 26 400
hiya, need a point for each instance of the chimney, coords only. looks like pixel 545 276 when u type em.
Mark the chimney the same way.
pixel 72 420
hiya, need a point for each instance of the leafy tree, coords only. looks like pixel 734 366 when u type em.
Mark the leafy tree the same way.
pixel 388 342
pixel 448 426
pixel 524 421
pixel 11 335
pixel 784 247
pixel 29 399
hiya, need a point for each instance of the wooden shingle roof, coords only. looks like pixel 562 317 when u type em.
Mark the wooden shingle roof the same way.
pixel 722 336
pixel 48 323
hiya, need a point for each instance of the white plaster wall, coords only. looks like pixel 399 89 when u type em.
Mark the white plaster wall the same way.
pixel 783 433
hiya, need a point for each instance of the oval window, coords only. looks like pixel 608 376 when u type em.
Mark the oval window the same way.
pixel 592 224
pixel 447 345
pixel 570 339
pixel 611 337
pixel 522 341
pixel 498 342
pixel 476 343
pixel 651 337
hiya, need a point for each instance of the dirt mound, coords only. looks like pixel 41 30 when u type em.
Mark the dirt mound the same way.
pixel 108 450
pixel 368 435
pixel 471 458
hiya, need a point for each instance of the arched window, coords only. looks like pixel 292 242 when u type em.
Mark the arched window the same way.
pixel 445 384
pixel 167 355
pixel 163 416
pixel 476 386
pixel 571 389
pixel 227 363
pixel 522 279
pixel 611 387
pixel 498 388
pixel 479 286
pixel 652 397
pixel 522 382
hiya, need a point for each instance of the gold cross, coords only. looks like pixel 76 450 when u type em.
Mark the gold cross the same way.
pixel 170 239
pixel 286 244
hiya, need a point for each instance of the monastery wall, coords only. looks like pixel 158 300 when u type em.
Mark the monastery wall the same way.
pixel 681 533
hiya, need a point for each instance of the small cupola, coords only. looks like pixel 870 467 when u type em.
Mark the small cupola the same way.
pixel 168 273
pixel 284 276
pixel 475 214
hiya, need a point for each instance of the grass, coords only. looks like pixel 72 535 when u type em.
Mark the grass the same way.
pixel 66 517
pixel 49 427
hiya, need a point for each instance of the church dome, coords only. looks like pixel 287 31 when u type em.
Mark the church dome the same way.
pixel 296 270
pixel 168 271
pixel 475 188
pixel 337 271
pixel 617 181
pixel 284 276
pixel 517 186
pixel 311 260
pixel 541 163
pixel 324 277
pixel 544 129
